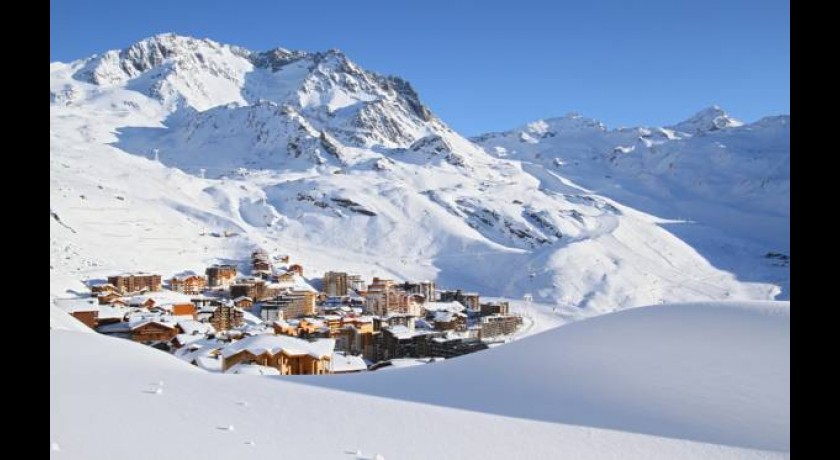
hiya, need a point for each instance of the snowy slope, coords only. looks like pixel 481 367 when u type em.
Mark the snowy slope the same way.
pixel 308 154
pixel 710 372
pixel 62 321
pixel 717 373
pixel 725 185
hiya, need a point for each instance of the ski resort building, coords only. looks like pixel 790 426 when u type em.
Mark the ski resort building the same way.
pixel 471 300
pixel 499 325
pixel 427 289
pixel 495 308
pixel 133 283
pixel 221 276
pixel 291 305
pixel 260 262
pixel 290 356
pixel 336 284
pixel 227 317
pixel 385 298
pixel 188 284
pixel 153 331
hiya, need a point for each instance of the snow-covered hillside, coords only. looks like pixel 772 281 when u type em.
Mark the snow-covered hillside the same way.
pixel 179 152
pixel 676 381
pixel 723 185
pixel 711 372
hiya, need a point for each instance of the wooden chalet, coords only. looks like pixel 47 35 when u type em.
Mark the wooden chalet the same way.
pixel 189 284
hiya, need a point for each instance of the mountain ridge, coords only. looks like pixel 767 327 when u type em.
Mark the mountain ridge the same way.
pixel 263 150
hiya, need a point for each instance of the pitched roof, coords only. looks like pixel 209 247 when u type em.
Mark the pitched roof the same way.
pixel 340 364
pixel 152 322
pixel 275 344
pixel 253 369
pixel 193 327
pixel 447 316
pixel 454 307
pixel 77 304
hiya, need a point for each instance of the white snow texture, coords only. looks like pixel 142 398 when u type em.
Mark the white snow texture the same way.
pixel 177 153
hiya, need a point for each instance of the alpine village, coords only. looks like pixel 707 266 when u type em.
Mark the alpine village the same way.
pixel 274 322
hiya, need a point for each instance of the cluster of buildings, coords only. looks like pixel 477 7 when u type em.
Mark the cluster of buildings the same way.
pixel 274 322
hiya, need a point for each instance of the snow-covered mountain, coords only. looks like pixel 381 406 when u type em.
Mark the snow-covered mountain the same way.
pixel 178 152
pixel 723 184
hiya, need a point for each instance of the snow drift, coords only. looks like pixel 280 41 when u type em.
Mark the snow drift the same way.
pixel 717 373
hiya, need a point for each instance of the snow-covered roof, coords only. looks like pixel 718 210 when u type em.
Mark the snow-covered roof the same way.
pixel 274 344
pixel 209 363
pixel 112 312
pixel 257 329
pixel 199 348
pixel 423 324
pixel 343 364
pixel 187 339
pixel 282 324
pixel 185 275
pixel 163 298
pixel 114 298
pixel 361 319
pixel 454 307
pixel 250 318
pixel 140 300
pixel 402 332
pixel 202 298
pixel 410 362
pixel 165 324
pixel 447 316
pixel 115 328
pixel 99 284
pixel 314 322
pixel 62 321
pixel 140 316
pixel 253 369
pixel 140 273
pixel 75 305
pixel 193 327
pixel 398 315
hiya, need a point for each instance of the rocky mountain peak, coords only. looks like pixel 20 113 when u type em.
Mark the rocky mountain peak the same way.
pixel 712 118
pixel 118 66
pixel 276 59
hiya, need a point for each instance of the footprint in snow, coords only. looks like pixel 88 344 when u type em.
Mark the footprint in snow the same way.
pixel 243 404
pixel 155 388
pixel 226 428
pixel 360 456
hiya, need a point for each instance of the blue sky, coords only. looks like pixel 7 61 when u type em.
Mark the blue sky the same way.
pixel 491 65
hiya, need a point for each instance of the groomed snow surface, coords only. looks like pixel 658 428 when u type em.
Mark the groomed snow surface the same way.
pixel 705 380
